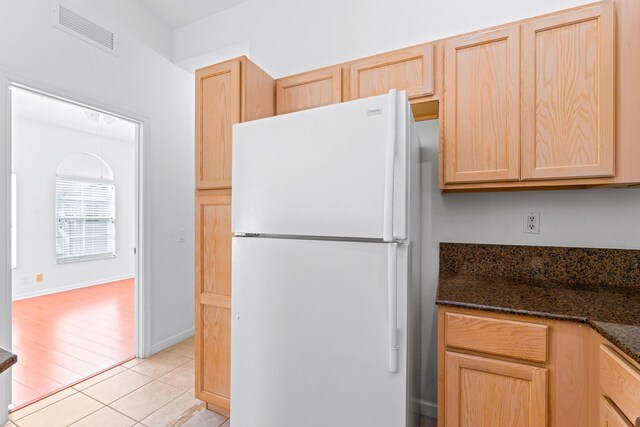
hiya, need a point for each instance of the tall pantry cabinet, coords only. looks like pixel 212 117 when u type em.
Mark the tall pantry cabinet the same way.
pixel 226 93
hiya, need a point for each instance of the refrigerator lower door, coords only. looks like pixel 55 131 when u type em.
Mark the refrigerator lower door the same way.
pixel 310 334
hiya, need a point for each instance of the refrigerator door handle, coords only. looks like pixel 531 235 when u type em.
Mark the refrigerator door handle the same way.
pixel 392 311
pixel 387 232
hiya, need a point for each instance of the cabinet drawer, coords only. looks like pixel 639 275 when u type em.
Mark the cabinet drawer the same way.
pixel 519 340
pixel 620 382
pixel 610 416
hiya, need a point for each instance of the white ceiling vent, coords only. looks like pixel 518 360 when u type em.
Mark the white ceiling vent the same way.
pixel 71 22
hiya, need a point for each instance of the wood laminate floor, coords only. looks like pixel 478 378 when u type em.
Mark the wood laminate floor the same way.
pixel 64 338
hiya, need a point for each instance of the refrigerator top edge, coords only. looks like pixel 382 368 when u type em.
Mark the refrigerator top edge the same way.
pixel 294 114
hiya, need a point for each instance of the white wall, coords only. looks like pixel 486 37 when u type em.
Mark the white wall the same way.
pixel 289 36
pixel 140 82
pixel 36 175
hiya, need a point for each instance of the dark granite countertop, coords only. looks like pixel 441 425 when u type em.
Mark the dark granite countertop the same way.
pixel 613 312
pixel 610 306
pixel 7 360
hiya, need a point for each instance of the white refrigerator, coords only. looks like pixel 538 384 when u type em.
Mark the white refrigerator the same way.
pixel 326 267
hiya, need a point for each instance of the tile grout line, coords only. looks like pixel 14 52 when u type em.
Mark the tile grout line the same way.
pixel 160 408
pixel 132 391
pixel 76 391
pixel 103 406
pixel 113 409
pixel 124 395
pixel 46 406
pixel 33 413
pixel 130 369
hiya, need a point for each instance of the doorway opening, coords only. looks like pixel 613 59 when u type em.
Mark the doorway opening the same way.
pixel 75 194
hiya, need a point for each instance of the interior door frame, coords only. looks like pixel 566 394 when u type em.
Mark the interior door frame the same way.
pixel 142 342
pixel 5 240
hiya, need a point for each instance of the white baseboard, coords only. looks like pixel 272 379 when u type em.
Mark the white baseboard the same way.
pixel 175 339
pixel 49 291
pixel 427 409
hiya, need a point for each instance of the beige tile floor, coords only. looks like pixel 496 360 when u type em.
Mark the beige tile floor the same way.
pixel 153 392
pixel 143 392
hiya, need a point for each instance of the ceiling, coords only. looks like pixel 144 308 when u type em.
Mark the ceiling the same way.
pixel 177 13
pixel 42 109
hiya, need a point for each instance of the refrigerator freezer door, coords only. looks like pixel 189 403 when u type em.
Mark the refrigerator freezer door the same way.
pixel 310 335
pixel 322 172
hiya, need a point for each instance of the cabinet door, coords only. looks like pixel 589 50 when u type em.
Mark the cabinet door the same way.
pixel 213 297
pixel 610 416
pixel 568 95
pixel 619 381
pixel 482 107
pixel 217 108
pixel 309 90
pixel 482 392
pixel 407 69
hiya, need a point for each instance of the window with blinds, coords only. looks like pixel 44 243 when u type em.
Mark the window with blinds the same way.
pixel 85 220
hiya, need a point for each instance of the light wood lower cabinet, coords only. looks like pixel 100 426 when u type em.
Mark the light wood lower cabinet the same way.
pixel 500 337
pixel 610 415
pixel 619 381
pixel 554 373
pixel 485 392
pixel 213 297
pixel 498 369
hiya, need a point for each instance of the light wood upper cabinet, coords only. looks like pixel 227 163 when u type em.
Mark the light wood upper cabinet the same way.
pixel 410 69
pixel 213 297
pixel 309 90
pixel 487 392
pixel 218 108
pixel 482 107
pixel 226 93
pixel 533 105
pixel 568 95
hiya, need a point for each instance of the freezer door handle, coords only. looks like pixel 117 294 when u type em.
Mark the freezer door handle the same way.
pixel 392 283
pixel 387 232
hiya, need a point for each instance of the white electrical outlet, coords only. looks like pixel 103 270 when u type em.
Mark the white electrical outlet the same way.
pixel 532 222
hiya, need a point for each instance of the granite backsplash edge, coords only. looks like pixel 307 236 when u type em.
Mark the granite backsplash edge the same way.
pixel 567 265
